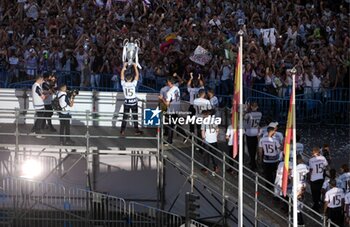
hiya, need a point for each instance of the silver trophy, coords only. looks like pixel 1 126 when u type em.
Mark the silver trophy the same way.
pixel 131 51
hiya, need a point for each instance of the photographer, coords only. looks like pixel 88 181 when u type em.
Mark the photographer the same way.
pixel 49 90
pixel 66 101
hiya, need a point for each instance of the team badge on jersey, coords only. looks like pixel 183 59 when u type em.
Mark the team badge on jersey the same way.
pixel 152 117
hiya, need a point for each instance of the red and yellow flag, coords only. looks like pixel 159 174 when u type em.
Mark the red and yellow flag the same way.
pixel 235 105
pixel 287 142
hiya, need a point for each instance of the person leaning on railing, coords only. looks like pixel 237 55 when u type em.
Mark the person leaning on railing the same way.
pixel 65 104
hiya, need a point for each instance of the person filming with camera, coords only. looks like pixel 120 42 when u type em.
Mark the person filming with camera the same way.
pixel 66 101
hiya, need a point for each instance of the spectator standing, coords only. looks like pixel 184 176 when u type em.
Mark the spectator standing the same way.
pixel 38 97
pixel 317 164
pixel 95 69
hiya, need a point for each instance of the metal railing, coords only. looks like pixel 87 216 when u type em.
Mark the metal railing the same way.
pixel 193 160
pixel 146 216
pixel 255 185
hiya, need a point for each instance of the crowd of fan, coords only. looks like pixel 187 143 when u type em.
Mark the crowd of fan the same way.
pixel 87 36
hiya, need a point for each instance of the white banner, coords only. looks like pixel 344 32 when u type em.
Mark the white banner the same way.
pixel 201 56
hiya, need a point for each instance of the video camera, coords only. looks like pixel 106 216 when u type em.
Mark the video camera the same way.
pixel 72 93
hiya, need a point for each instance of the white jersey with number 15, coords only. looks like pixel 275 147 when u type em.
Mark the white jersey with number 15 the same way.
pixel 317 166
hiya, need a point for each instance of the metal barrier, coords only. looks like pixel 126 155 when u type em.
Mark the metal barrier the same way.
pixel 337 113
pixel 143 216
pixel 29 203
pixel 197 224
pixel 96 209
pixel 255 186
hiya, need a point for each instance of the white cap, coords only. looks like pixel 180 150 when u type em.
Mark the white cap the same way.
pixel 273 125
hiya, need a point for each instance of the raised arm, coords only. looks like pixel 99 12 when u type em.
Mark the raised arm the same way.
pixel 137 74
pixel 190 80
pixel 122 73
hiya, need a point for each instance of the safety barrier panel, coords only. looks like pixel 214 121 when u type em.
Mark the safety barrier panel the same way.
pixel 337 113
pixel 197 224
pixel 258 192
pixel 146 216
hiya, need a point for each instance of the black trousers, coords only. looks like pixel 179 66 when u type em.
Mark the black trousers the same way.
pixel 39 123
pixel 192 110
pixel 210 157
pixel 270 172
pixel 134 110
pixel 316 187
pixel 64 126
pixel 171 127
pixel 252 143
pixel 48 115
pixel 336 215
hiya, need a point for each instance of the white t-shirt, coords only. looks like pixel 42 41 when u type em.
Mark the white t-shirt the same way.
pixel 302 171
pixel 229 133
pixel 252 123
pixel 37 91
pixel 334 197
pixel 347 202
pixel 279 177
pixel 278 136
pixel 164 90
pixel 344 180
pixel 317 166
pixel 316 83
pixel 211 135
pixel 299 150
pixel 129 90
pixel 193 93
pixel 214 102
pixel 271 149
pixel 13 60
pixel 201 104
pixel 173 96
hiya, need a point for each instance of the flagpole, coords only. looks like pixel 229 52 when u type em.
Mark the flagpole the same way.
pixel 240 156
pixel 295 182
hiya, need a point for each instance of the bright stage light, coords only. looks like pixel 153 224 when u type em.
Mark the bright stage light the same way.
pixel 31 168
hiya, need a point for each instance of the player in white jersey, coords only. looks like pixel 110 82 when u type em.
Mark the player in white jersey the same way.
pixel 344 178
pixel 210 134
pixel 163 91
pixel 172 101
pixel 201 104
pixel 326 186
pixel 269 153
pixel 252 121
pixel 302 173
pixel 193 86
pixel 317 165
pixel 278 136
pixel 334 200
pixel 347 208
pixel 130 103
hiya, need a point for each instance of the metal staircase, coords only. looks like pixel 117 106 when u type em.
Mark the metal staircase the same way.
pixel 262 207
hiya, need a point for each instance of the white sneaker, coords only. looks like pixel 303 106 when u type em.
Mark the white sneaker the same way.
pixel 40 137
